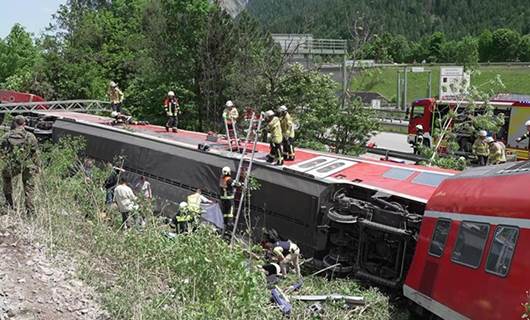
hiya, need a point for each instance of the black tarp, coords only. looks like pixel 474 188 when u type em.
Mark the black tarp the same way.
pixel 287 202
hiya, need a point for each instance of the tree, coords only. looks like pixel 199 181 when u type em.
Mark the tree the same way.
pixel 506 45
pixel 485 46
pixel 353 126
pixel 18 55
pixel 467 53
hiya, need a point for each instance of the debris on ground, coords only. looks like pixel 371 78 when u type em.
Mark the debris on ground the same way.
pixel 34 287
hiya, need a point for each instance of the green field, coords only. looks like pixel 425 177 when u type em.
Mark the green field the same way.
pixel 516 79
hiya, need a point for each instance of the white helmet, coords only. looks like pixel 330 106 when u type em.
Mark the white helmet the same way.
pixel 269 113
pixel 419 127
pixel 483 133
pixel 229 104
pixel 489 139
pixel 183 205
pixel 171 94
pixel 282 108
pixel 114 114
pixel 113 84
pixel 226 171
pixel 527 123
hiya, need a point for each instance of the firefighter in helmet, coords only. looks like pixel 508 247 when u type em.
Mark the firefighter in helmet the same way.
pixel 526 135
pixel 497 151
pixel 275 130
pixel 418 139
pixel 480 148
pixel 287 125
pixel 183 218
pixel 226 185
pixel 115 96
pixel 171 106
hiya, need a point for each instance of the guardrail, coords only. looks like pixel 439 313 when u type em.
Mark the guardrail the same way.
pixel 64 105
pixel 391 115
pixel 312 46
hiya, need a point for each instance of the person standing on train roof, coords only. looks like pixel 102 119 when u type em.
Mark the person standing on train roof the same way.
pixel 275 130
pixel 171 106
pixel 115 96
pixel 526 135
pixel 230 113
pixel 480 148
pixel 287 125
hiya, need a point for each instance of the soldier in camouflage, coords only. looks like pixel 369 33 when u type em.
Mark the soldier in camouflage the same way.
pixel 19 150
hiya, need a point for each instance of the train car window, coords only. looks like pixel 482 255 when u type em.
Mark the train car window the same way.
pixel 439 237
pixel 330 167
pixel 429 179
pixel 398 174
pixel 470 243
pixel 313 163
pixel 501 250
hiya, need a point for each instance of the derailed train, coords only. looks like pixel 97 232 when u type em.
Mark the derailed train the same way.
pixel 363 213
pixel 455 244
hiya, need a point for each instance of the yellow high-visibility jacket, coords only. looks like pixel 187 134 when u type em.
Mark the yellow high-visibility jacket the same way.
pixel 115 95
pixel 287 126
pixel 275 129
pixel 230 114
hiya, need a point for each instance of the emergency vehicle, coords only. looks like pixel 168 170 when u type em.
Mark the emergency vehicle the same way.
pixel 514 108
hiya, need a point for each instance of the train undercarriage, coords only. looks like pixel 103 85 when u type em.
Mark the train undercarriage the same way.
pixel 371 234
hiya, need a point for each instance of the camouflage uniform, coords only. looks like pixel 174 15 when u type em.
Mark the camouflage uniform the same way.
pixel 20 155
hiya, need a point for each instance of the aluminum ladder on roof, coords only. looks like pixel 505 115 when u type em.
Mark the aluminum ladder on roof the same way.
pixel 63 105
pixel 231 135
pixel 245 165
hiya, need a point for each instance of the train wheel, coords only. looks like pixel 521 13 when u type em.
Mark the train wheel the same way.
pixel 345 267
pixel 335 216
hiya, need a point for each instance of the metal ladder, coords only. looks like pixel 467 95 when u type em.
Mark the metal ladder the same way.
pixel 231 136
pixel 245 165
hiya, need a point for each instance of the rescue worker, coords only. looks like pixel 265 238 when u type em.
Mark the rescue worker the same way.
pixel 227 188
pixel 526 135
pixel 418 139
pixel 275 130
pixel 497 151
pixel 230 114
pixel 19 148
pixel 184 218
pixel 125 201
pixel 287 132
pixel 195 200
pixel 287 253
pixel 115 96
pixel 480 148
pixel 171 106
pixel 120 119
pixel 110 184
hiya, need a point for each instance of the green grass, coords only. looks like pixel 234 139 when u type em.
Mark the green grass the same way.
pixel 384 81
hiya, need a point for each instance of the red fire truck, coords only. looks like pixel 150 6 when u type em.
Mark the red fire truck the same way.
pixel 514 108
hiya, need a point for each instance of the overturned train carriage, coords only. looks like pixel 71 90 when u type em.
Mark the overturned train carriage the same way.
pixel 370 231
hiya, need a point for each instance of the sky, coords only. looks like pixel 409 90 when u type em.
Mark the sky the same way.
pixel 34 15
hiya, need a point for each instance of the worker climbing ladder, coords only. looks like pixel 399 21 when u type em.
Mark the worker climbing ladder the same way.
pixel 245 165
pixel 231 135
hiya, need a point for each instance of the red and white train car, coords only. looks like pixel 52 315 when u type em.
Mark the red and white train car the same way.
pixel 472 259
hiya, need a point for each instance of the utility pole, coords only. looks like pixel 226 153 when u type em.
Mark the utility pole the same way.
pixel 405 84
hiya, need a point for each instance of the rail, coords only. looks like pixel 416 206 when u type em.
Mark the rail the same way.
pixel 391 115
pixel 64 105
pixel 312 46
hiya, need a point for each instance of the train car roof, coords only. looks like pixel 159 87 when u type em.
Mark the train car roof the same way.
pixel 412 182
pixel 498 192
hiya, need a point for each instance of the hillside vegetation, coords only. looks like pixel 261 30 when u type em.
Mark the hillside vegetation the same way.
pixel 410 18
